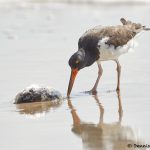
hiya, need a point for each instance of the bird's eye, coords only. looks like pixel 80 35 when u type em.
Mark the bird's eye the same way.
pixel 77 61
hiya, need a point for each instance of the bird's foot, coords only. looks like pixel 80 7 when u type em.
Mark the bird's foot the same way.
pixel 118 89
pixel 92 92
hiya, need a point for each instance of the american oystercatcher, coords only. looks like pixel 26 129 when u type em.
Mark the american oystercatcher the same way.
pixel 102 44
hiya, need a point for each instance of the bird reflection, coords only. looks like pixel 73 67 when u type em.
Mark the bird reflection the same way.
pixel 104 136
pixel 37 107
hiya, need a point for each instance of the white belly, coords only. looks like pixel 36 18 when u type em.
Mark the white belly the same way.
pixel 111 53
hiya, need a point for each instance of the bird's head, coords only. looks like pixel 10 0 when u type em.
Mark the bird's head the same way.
pixel 76 62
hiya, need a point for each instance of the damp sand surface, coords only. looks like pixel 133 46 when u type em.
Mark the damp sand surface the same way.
pixel 36 41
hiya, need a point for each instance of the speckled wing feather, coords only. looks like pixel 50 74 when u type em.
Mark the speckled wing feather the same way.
pixel 118 35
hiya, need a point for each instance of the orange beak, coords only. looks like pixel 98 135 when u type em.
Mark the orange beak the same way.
pixel 71 82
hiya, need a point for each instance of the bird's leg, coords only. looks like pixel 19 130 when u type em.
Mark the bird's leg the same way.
pixel 120 110
pixel 100 71
pixel 118 74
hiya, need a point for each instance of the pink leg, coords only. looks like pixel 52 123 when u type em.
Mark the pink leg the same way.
pixel 118 74
pixel 120 110
pixel 94 89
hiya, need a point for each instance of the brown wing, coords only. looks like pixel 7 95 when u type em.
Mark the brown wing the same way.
pixel 119 35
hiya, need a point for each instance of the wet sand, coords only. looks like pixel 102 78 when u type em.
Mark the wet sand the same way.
pixel 37 40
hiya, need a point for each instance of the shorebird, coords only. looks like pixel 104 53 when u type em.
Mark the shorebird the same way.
pixel 103 43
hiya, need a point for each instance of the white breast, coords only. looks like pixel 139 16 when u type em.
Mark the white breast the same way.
pixel 109 52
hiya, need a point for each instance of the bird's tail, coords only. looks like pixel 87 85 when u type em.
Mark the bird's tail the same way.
pixel 136 27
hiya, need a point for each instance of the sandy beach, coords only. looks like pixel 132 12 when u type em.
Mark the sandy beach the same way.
pixel 36 41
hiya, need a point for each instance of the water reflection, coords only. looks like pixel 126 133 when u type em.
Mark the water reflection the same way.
pixel 104 136
pixel 37 107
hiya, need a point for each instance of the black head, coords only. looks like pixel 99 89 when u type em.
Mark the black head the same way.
pixel 82 58
pixel 77 60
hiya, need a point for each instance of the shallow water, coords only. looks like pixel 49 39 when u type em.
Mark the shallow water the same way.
pixel 37 40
